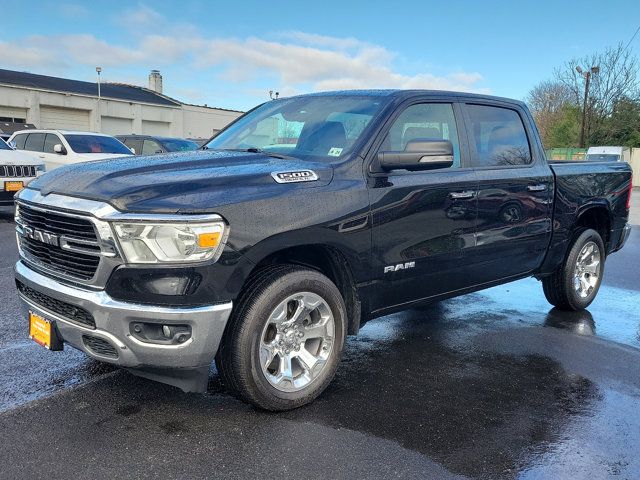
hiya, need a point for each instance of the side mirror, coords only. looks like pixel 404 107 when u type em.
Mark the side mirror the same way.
pixel 13 144
pixel 158 151
pixel 133 150
pixel 419 154
pixel 59 149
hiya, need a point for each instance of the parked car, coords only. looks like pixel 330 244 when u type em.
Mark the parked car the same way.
pixel 17 169
pixel 61 147
pixel 605 154
pixel 265 249
pixel 150 145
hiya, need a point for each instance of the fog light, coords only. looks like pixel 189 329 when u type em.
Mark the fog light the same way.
pixel 160 334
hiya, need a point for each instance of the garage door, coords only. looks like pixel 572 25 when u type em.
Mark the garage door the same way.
pixel 64 118
pixel 117 126
pixel 12 114
pixel 149 127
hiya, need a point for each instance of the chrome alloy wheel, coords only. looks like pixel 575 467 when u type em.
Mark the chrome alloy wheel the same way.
pixel 587 270
pixel 297 341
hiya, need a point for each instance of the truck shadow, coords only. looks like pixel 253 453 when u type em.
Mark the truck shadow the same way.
pixel 476 412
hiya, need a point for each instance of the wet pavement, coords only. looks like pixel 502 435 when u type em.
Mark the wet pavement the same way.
pixel 491 385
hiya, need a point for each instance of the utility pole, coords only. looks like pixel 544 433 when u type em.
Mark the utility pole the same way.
pixel 587 77
pixel 98 70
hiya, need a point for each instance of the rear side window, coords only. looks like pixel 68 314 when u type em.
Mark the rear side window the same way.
pixel 19 140
pixel 499 137
pixel 35 142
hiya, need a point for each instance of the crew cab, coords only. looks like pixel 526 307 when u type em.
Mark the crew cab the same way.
pixel 298 223
pixel 61 147
pixel 17 169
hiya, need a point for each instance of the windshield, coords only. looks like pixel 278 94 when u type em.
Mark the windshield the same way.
pixel 96 144
pixel 4 146
pixel 179 145
pixel 603 157
pixel 325 127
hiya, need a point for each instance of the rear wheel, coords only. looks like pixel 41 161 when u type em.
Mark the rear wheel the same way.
pixel 575 284
pixel 285 338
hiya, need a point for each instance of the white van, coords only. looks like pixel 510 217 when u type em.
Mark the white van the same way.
pixel 605 154
pixel 61 147
pixel 17 169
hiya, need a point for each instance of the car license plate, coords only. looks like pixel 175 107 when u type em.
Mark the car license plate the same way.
pixel 13 186
pixel 40 329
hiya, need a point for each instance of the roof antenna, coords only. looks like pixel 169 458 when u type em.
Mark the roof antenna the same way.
pixel 273 95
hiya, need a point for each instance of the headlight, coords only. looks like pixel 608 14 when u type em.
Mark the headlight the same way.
pixel 41 168
pixel 170 242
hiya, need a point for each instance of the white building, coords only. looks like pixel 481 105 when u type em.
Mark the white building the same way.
pixel 60 103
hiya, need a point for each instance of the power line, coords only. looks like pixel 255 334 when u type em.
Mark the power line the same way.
pixel 634 36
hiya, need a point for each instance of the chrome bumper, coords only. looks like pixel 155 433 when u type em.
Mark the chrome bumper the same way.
pixel 113 319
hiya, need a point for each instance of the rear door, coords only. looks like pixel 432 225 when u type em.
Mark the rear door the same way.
pixel 515 192
pixel 423 222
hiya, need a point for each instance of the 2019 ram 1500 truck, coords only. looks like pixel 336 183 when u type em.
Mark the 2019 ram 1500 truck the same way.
pixel 299 222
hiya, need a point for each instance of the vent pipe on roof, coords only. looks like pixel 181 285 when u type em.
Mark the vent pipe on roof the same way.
pixel 155 81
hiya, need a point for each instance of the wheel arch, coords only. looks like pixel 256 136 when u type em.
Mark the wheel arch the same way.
pixel 320 249
pixel 598 217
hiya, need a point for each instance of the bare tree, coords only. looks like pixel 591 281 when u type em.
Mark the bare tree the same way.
pixel 617 78
pixel 546 101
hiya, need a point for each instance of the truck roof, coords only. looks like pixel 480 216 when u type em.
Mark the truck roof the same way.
pixel 410 93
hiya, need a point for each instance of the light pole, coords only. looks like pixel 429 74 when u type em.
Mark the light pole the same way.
pixel 98 70
pixel 587 77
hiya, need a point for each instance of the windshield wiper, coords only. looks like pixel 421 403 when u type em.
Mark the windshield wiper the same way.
pixel 259 150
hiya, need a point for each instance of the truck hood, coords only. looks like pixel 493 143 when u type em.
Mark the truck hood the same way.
pixel 184 182
pixel 100 156
pixel 14 157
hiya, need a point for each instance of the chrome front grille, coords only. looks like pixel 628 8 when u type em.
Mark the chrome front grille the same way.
pixel 58 223
pixel 11 171
pixel 63 243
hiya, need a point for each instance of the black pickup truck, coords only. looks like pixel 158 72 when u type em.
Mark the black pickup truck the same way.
pixel 299 222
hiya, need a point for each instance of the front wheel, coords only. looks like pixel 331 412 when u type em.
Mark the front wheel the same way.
pixel 285 338
pixel 575 284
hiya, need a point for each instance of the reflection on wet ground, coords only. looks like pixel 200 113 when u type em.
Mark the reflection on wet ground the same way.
pixel 492 385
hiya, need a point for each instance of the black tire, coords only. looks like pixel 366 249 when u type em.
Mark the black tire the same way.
pixel 559 287
pixel 238 357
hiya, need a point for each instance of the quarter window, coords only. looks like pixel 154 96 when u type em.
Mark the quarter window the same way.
pixel 499 137
pixel 424 121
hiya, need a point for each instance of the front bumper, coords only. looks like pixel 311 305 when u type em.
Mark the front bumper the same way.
pixel 113 320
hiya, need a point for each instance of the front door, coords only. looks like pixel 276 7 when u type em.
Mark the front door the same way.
pixel 515 194
pixel 423 222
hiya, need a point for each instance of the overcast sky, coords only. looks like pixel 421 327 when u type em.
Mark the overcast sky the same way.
pixel 230 54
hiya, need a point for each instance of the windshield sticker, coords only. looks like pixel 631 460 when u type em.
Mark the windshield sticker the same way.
pixel 335 152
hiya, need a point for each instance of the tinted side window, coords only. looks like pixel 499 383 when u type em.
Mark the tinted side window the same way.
pixel 35 142
pixel 499 137
pixel 149 147
pixel 134 143
pixel 49 141
pixel 19 140
pixel 432 121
